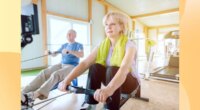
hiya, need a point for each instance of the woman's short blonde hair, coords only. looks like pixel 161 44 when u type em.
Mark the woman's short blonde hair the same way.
pixel 121 18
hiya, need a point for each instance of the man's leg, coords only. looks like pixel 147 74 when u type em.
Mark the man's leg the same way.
pixel 41 78
pixel 56 77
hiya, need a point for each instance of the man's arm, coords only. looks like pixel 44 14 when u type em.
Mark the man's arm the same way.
pixel 78 54
pixel 48 52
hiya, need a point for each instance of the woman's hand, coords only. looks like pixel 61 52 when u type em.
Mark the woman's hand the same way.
pixel 63 85
pixel 101 95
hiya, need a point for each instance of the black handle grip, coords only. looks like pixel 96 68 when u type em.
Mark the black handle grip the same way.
pixel 81 90
pixel 55 52
pixel 108 100
pixel 49 52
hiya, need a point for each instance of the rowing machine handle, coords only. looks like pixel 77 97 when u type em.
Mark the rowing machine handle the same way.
pixel 49 52
pixel 55 52
pixel 81 90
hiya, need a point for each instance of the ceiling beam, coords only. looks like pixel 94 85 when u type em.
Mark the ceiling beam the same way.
pixel 44 27
pixel 106 9
pixel 66 16
pixel 89 10
pixel 35 1
pixel 156 13
pixel 89 19
pixel 164 26
pixel 105 3
pixel 108 5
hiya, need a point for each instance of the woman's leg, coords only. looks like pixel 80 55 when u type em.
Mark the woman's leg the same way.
pixel 41 78
pixel 127 87
pixel 114 104
pixel 130 84
pixel 95 76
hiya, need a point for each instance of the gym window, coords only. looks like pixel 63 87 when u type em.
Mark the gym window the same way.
pixel 57 30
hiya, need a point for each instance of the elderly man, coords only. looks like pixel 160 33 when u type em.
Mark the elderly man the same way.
pixel 47 78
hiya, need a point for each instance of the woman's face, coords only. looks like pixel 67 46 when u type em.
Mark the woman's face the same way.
pixel 112 27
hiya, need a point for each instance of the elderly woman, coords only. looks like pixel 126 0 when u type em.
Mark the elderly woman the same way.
pixel 112 63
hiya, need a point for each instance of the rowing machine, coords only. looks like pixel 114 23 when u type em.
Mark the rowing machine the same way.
pixel 49 53
pixel 70 89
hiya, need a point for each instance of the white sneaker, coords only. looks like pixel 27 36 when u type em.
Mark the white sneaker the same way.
pixel 27 101
pixel 91 107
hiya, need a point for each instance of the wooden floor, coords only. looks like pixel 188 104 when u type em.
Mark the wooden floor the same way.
pixel 163 96
pixel 69 101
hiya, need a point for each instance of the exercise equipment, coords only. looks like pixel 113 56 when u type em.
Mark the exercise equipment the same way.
pixel 26 38
pixel 70 89
pixel 49 53
pixel 34 58
pixel 169 72
pixel 125 97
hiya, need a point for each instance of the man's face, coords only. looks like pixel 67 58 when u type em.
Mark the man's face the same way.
pixel 71 37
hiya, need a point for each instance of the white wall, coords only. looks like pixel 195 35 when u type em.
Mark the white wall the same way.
pixel 140 41
pixel 152 34
pixel 34 49
pixel 76 8
pixel 139 34
pixel 98 13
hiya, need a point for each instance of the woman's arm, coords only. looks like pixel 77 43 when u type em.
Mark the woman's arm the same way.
pixel 124 69
pixel 78 70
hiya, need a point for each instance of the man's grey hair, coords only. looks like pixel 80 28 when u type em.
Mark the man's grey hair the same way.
pixel 72 31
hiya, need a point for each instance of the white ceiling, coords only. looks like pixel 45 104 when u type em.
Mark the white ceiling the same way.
pixel 25 2
pixel 161 20
pixel 140 7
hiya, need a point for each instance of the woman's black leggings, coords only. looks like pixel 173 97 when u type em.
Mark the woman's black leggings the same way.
pixel 99 73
